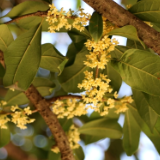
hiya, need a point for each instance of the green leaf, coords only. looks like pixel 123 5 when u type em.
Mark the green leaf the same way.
pixel 77 39
pixel 48 1
pixel 118 51
pixel 27 7
pixel 6 37
pixel 65 123
pixel 22 59
pixel 4 137
pixel 102 127
pixel 147 10
pixel 71 54
pixel 153 101
pixel 72 75
pixel 153 136
pixel 131 132
pixel 78 153
pixel 88 139
pixel 51 59
pixel 114 76
pixel 134 44
pixel 96 26
pixel 55 156
pixel 145 109
pixel 157 125
pixel 127 31
pixel 140 70
pixel 43 85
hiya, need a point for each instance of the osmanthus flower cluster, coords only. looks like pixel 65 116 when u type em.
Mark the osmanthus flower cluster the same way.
pixel 95 84
pixel 19 117
pixel 73 138
pixel 59 19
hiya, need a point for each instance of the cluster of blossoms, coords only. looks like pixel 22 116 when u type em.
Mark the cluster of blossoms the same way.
pixel 19 117
pixel 73 138
pixel 69 108
pixel 59 19
pixel 96 86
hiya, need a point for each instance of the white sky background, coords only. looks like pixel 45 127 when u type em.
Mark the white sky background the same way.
pixel 61 42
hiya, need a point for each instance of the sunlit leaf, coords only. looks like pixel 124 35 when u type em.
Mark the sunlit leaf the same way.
pixel 22 59
pixel 147 10
pixel 5 37
pixel 128 31
pixel 140 72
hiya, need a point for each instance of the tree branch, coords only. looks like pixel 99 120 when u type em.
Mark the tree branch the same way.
pixel 16 153
pixel 121 17
pixel 51 120
pixel 39 13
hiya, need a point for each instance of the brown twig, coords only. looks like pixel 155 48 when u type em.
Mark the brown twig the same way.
pixel 2 59
pixel 39 13
pixel 121 17
pixel 51 120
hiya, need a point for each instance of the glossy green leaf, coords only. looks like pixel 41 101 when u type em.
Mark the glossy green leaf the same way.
pixel 153 136
pixel 140 72
pixel 134 44
pixel 26 8
pixel 4 137
pixel 65 123
pixel 78 153
pixel 22 59
pixel 51 59
pixel 73 74
pixel 43 85
pixel 147 10
pixel 131 132
pixel 153 101
pixel 118 51
pixel 54 156
pixel 102 127
pixel 145 109
pixel 127 31
pixel 96 26
pixel 5 37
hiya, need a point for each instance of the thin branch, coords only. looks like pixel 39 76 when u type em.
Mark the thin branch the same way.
pixel 2 59
pixel 51 120
pixel 39 13
pixel 16 153
pixel 121 17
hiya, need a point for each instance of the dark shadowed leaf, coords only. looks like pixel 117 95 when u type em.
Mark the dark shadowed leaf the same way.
pixel 4 137
pixel 145 109
pixel 96 26
pixel 78 153
pixel 131 132
pixel 102 127
pixel 51 58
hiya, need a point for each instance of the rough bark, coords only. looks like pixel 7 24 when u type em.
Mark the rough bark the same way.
pixel 121 17
pixel 51 120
